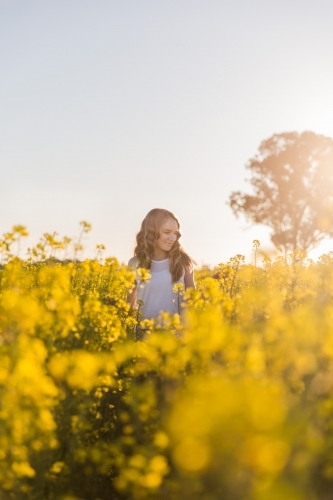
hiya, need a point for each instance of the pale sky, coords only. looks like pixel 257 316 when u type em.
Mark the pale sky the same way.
pixel 110 108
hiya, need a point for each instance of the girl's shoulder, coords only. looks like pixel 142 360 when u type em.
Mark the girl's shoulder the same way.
pixel 188 269
pixel 133 262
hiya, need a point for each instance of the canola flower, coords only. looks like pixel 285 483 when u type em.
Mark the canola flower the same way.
pixel 233 401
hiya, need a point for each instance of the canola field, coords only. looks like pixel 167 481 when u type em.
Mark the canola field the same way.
pixel 234 402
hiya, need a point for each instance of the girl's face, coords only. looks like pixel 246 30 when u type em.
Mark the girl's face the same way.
pixel 168 235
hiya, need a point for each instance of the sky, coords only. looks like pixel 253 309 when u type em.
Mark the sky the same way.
pixel 112 108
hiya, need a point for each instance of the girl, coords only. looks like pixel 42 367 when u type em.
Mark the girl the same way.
pixel 158 250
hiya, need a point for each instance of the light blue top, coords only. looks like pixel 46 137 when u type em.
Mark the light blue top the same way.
pixel 157 294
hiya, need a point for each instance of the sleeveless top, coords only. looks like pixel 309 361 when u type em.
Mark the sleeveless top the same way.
pixel 157 294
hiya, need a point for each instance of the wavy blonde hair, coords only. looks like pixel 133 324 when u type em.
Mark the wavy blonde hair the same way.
pixel 145 243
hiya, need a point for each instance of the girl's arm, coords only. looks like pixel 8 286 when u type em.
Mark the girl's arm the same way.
pixel 189 278
pixel 131 296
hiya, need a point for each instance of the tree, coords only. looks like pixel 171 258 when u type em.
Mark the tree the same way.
pixel 292 177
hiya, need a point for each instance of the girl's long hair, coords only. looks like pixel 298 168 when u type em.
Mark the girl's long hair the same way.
pixel 150 232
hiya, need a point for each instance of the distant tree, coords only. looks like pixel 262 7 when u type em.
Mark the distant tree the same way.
pixel 292 177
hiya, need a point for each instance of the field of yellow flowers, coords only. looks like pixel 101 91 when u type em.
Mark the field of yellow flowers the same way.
pixel 234 402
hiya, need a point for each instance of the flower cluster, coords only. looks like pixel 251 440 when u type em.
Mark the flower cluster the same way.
pixel 231 399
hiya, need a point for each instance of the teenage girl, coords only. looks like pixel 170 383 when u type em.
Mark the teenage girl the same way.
pixel 158 249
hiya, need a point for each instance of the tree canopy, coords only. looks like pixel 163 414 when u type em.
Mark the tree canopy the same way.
pixel 292 179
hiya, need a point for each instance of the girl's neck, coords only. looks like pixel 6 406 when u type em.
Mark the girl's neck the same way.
pixel 160 255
